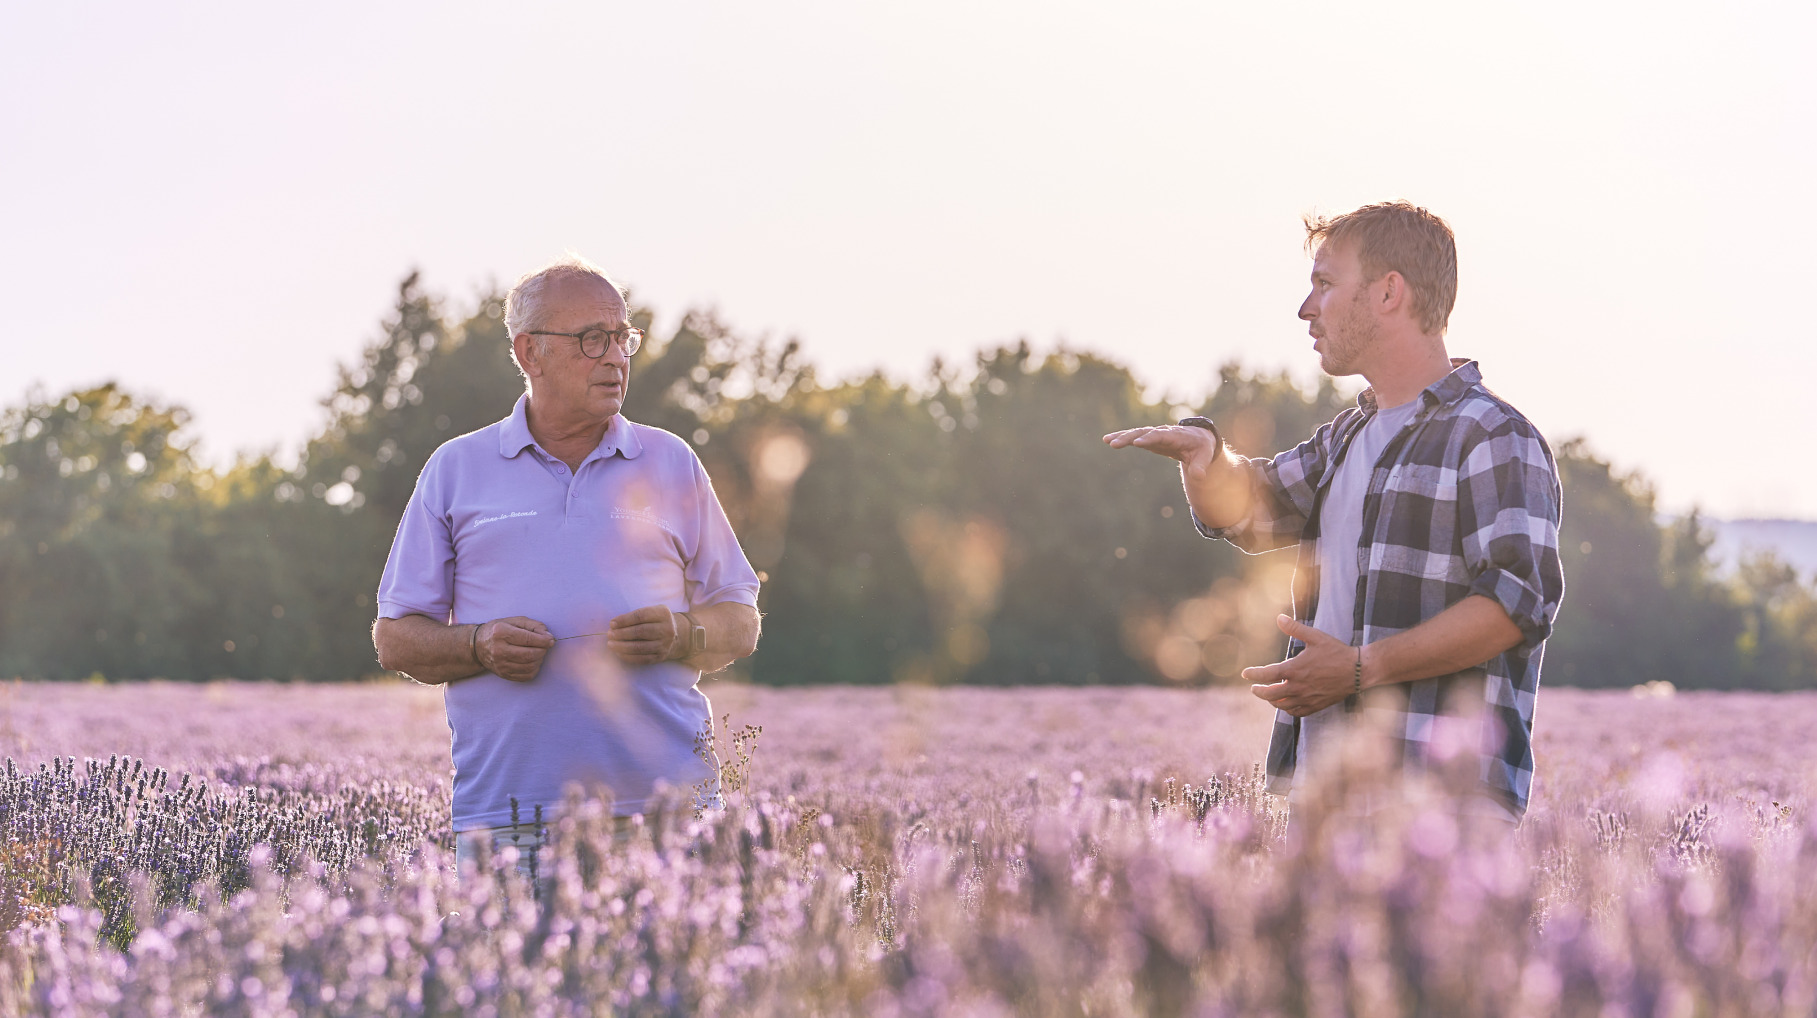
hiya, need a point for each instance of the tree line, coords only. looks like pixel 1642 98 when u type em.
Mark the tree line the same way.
pixel 966 526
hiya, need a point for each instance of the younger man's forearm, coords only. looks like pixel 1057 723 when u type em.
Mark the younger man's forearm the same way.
pixel 1218 489
pixel 1465 635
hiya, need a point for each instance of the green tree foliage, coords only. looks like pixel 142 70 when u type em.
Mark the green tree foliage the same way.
pixel 966 527
pixel 1642 601
pixel 98 497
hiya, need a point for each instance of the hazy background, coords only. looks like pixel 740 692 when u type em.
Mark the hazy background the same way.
pixel 214 203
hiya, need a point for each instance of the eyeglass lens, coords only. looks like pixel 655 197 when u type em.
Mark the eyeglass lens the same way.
pixel 594 341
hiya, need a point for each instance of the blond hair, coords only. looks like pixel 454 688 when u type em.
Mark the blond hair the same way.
pixel 1398 236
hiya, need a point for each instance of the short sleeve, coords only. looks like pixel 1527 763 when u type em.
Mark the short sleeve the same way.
pixel 718 570
pixel 419 572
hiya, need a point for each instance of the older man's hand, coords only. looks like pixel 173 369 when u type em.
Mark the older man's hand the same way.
pixel 513 648
pixel 643 637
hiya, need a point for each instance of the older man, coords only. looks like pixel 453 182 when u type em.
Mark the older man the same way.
pixel 1426 519
pixel 567 575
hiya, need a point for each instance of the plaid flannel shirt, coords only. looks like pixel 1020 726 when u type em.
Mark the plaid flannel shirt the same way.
pixel 1464 500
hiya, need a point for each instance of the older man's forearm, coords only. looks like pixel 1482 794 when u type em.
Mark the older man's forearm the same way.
pixel 428 651
pixel 732 631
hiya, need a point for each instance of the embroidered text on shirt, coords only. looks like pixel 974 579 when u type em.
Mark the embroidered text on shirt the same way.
pixel 502 516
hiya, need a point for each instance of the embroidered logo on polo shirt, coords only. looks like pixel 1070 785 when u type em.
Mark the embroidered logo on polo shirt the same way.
pixel 501 516
pixel 646 515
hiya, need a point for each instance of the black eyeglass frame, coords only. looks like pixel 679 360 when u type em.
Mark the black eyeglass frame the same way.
pixel 632 341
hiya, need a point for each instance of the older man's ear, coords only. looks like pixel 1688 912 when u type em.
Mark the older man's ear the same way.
pixel 529 354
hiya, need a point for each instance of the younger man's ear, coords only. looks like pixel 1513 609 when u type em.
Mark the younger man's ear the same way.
pixel 1394 290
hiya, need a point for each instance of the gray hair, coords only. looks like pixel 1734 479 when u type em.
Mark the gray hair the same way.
pixel 523 305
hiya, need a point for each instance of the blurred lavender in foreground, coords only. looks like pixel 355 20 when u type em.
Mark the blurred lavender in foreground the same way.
pixel 936 883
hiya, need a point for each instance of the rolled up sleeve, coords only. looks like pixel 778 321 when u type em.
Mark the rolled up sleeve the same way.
pixel 1509 504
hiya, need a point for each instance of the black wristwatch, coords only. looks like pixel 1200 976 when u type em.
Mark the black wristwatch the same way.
pixel 1204 422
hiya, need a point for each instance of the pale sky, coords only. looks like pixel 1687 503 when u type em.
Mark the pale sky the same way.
pixel 213 204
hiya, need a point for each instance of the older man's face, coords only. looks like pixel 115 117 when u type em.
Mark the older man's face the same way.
pixel 574 382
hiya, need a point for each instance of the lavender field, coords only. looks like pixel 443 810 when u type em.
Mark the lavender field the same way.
pixel 283 849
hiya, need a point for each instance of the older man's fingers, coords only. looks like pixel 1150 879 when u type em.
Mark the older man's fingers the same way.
pixel 517 632
pixel 643 636
pixel 519 653
pixel 514 664
pixel 656 613
pixel 527 638
pixel 642 631
pixel 638 653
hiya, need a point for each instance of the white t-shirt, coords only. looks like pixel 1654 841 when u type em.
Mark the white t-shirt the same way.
pixel 1340 539
pixel 1340 545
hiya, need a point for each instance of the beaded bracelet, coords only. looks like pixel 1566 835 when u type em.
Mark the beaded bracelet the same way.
pixel 1357 677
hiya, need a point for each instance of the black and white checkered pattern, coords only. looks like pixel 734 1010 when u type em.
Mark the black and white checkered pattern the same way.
pixel 1464 500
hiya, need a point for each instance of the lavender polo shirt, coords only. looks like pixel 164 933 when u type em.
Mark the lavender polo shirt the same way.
pixel 498 527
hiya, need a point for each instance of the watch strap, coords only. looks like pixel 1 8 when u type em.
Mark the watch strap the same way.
pixel 1203 422
pixel 696 635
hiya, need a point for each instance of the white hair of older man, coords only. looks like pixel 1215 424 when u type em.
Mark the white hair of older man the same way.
pixel 523 305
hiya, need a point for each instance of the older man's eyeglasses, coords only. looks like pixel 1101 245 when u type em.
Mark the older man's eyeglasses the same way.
pixel 594 342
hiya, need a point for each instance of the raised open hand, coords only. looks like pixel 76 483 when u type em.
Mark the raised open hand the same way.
pixel 1190 445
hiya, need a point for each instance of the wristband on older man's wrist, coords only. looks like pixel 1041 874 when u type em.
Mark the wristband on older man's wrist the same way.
pixel 693 639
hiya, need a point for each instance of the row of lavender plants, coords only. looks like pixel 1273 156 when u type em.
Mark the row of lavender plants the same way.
pixel 130 892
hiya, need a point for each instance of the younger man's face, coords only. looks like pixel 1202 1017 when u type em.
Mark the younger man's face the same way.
pixel 1342 323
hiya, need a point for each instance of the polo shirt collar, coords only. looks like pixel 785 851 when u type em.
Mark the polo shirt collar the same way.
pixel 514 435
